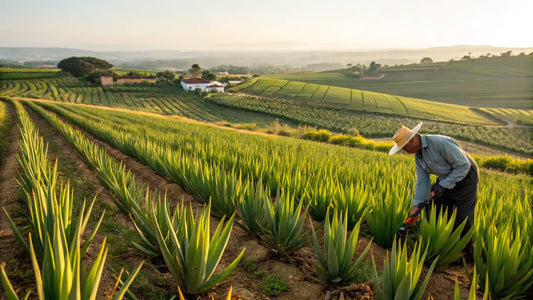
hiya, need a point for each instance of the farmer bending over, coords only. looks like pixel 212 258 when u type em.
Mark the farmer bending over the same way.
pixel 457 172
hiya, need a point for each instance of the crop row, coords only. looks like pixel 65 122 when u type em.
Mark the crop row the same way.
pixel 55 234
pixel 369 125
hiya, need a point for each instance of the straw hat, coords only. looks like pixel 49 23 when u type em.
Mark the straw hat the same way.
pixel 402 137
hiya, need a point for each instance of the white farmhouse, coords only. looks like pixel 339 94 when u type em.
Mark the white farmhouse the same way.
pixel 194 83
pixel 215 86
pixel 202 84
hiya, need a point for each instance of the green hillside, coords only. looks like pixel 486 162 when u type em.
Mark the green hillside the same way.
pixel 366 101
pixel 504 82
pixel 373 114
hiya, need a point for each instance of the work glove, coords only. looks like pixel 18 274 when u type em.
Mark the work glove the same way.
pixel 438 189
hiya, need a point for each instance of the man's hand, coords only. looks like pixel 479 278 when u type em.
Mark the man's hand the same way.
pixel 414 209
pixel 438 190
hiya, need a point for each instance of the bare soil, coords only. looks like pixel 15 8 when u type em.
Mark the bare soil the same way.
pixel 11 253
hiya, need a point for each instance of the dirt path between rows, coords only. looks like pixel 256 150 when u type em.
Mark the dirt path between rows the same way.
pixel 8 175
pixel 11 253
pixel 297 274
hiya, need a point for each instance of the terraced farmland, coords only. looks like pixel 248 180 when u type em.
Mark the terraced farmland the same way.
pixel 366 101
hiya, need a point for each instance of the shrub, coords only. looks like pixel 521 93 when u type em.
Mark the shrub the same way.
pixel 321 135
pixel 499 162
pixel 356 141
pixel 310 135
pixel 353 131
pixel 340 139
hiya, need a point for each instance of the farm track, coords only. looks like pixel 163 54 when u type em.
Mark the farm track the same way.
pixel 10 251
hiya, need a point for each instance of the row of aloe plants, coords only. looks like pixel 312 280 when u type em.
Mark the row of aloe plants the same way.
pixel 146 145
pixel 281 222
pixel 224 173
pixel 183 239
pixel 54 234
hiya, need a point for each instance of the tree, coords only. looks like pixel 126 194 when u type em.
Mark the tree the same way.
pixel 208 75
pixel 82 66
pixel 133 74
pixel 373 70
pixel 195 70
pixel 169 75
pixel 426 60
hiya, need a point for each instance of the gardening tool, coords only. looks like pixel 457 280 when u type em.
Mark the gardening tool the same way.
pixel 402 232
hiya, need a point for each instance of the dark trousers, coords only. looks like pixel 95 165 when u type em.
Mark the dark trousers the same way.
pixel 463 197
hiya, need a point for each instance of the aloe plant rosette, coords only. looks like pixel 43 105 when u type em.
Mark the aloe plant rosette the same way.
pixel 336 266
pixel 439 237
pixel 400 274
pixel 190 253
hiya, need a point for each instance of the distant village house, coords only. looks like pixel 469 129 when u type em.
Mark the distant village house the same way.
pixel 204 85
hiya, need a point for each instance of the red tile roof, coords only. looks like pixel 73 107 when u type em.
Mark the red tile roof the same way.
pixel 195 81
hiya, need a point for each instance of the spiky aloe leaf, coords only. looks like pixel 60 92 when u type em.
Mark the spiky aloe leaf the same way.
pixel 190 252
pixel 336 266
pixel 284 223
pixel 437 234
pixel 125 285
pixel 401 275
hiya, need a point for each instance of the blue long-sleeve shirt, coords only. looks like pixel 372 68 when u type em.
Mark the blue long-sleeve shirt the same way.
pixel 442 156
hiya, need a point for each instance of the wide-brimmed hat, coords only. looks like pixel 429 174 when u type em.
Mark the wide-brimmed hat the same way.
pixel 402 137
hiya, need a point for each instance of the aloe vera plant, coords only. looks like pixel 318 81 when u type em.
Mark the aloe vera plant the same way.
pixel 355 200
pixel 387 214
pixel 250 208
pixel 441 240
pixel 336 266
pixel 284 223
pixel 190 252
pixel 503 261
pixel 400 274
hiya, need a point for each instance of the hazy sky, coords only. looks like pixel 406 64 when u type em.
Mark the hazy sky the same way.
pixel 298 24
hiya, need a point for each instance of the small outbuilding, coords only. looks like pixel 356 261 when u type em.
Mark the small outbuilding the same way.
pixel 215 86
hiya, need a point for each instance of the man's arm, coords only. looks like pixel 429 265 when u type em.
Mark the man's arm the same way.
pixel 423 185
pixel 457 159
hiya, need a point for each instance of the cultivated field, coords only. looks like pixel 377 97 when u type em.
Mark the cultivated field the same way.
pixel 503 82
pixel 514 139
pixel 261 180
